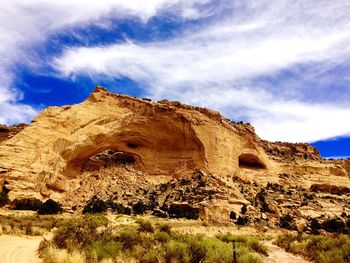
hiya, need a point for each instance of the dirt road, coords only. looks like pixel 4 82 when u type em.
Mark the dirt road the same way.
pixel 277 254
pixel 14 249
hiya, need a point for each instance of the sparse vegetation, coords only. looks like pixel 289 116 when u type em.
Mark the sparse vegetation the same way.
pixel 91 239
pixel 242 220
pixel 50 207
pixel 34 225
pixel 183 211
pixel 32 204
pixel 95 205
pixel 287 221
pixel 318 248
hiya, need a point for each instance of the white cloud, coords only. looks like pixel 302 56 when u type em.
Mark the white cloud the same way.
pixel 25 24
pixel 216 65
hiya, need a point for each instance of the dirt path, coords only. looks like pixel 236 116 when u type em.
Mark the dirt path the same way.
pixel 14 249
pixel 277 254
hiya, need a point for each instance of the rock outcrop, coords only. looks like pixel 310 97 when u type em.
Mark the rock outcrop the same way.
pixel 7 132
pixel 114 144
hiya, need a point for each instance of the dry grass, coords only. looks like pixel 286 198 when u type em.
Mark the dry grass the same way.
pixel 55 255
pixel 321 249
pixel 143 242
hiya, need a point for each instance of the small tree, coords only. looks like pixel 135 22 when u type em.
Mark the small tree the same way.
pixel 242 220
pixel 50 207
pixel 95 205
pixel 33 204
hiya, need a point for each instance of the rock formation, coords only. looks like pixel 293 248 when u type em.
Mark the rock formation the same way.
pixel 113 145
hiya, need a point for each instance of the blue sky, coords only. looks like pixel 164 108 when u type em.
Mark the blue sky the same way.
pixel 283 66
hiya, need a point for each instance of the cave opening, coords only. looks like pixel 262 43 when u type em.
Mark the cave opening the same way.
pixel 107 158
pixel 250 161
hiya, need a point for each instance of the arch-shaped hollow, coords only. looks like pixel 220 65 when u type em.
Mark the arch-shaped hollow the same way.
pixel 158 147
pixel 250 161
pixel 108 158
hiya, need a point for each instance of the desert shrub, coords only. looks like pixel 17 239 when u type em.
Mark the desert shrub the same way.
pixel 315 226
pixel 129 238
pixel 145 226
pixel 334 225
pixel 177 251
pixel 51 254
pixel 95 241
pixel 103 250
pixel 79 233
pixel 183 211
pixel 242 220
pixel 95 205
pixel 162 237
pixel 119 208
pixel 151 256
pixel 50 207
pixel 318 248
pixel 139 208
pixel 32 204
pixel 287 221
pixel 165 228
pixel 29 225
pixel 159 213
pixel 3 198
pixel 249 241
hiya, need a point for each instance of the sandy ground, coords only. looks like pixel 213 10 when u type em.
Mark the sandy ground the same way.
pixel 277 254
pixel 15 249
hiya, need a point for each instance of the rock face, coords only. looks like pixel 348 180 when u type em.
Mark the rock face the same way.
pixel 115 140
pixel 7 132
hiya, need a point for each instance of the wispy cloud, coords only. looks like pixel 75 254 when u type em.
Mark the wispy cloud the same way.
pixel 26 24
pixel 219 65
pixel 282 65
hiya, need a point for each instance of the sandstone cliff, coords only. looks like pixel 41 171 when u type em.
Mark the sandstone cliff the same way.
pixel 114 144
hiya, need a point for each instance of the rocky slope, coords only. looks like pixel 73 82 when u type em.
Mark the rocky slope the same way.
pixel 131 150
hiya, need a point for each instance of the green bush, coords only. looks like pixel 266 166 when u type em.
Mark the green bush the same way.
pixel 95 205
pixel 177 251
pixel 334 225
pixel 129 238
pixel 249 241
pixel 287 221
pixel 80 233
pixel 139 208
pixel 162 237
pixel 151 256
pixel 183 211
pixel 50 207
pixel 93 238
pixel 318 248
pixel 145 226
pixel 32 204
pixel 104 250
pixel 165 228
pixel 242 220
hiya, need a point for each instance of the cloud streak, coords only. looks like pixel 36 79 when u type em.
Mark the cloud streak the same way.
pixel 25 25
pixel 223 64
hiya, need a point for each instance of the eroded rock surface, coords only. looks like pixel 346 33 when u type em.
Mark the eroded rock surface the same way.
pixel 121 148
